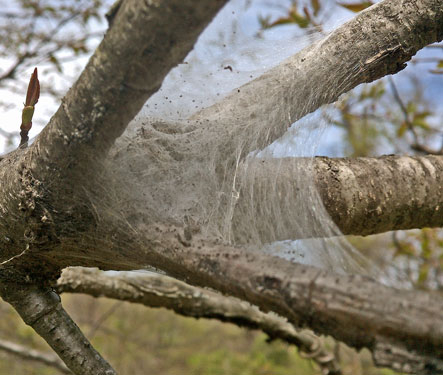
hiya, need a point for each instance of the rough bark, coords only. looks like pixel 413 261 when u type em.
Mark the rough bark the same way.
pixel 154 290
pixel 39 193
pixel 129 65
pixel 40 308
pixel 373 195
pixel 362 195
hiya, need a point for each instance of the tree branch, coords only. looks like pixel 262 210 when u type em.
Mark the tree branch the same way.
pixel 405 333
pixel 129 65
pixel 373 195
pixel 377 42
pixel 41 309
pixel 154 290
pixel 362 195
pixel 33 355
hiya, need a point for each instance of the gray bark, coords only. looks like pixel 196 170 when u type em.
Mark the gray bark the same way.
pixel 362 195
pixel 97 109
pixel 40 308
pixel 377 42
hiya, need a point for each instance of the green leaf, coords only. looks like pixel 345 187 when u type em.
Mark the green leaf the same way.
pixel 402 129
pixel 411 107
pixel 357 7
pixel 293 17
pixel 374 91
pixel 419 120
pixel 56 63
pixel 422 114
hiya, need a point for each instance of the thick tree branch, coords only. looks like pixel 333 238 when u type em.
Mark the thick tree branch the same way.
pixel 373 195
pixel 41 309
pixel 362 195
pixel 377 42
pixel 403 329
pixel 28 354
pixel 105 92
pixel 217 138
pixel 129 65
pixel 156 290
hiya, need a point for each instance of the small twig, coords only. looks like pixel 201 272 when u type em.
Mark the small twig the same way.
pixel 417 60
pixel 427 150
pixel 103 318
pixel 400 249
pixel 14 257
pixel 403 109
pixel 33 355
pixel 417 146
pixel 440 46
pixel 10 73
pixel 398 246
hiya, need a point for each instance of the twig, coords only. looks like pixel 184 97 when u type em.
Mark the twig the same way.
pixel 426 150
pixel 417 146
pixel 417 60
pixel 103 318
pixel 33 355
pixel 403 109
